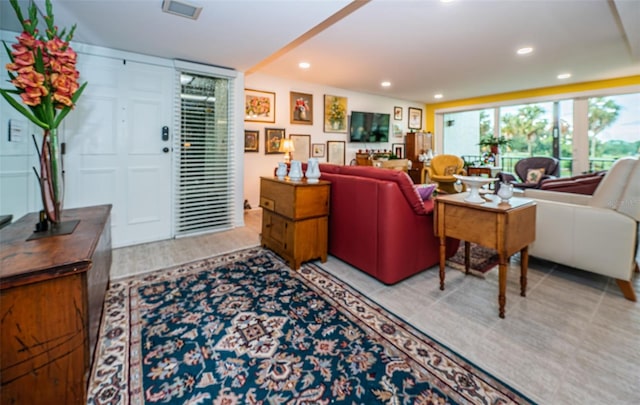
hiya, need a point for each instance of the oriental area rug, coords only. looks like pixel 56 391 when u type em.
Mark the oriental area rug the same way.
pixel 481 259
pixel 242 328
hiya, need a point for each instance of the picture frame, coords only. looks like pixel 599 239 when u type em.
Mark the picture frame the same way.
pixel 397 113
pixel 336 152
pixel 301 146
pixel 251 141
pixel 272 139
pixel 398 150
pixel 397 130
pixel 259 106
pixel 335 114
pixel 301 108
pixel 317 150
pixel 415 118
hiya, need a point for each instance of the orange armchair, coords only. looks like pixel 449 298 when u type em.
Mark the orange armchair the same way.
pixel 441 171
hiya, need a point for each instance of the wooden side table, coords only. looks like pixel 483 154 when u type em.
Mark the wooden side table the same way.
pixel 505 227
pixel 295 219
pixel 489 171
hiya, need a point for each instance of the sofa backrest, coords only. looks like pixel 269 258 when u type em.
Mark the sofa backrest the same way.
pixel 401 178
pixel 620 188
pixel 580 184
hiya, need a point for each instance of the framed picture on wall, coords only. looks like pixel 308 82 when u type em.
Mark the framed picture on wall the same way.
pixel 272 139
pixel 397 130
pixel 259 106
pixel 415 118
pixel 335 114
pixel 397 113
pixel 301 147
pixel 398 150
pixel 335 152
pixel 317 150
pixel 251 141
pixel 301 107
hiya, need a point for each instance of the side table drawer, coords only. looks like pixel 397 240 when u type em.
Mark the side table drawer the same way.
pixel 268 203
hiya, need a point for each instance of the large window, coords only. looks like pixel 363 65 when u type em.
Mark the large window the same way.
pixel 529 128
pixel 614 129
pixel 608 128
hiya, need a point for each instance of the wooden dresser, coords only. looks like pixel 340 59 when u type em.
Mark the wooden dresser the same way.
pixel 51 296
pixel 295 222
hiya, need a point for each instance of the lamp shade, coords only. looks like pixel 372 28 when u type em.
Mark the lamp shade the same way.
pixel 286 146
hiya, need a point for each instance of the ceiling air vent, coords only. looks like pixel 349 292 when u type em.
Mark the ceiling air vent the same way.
pixel 181 8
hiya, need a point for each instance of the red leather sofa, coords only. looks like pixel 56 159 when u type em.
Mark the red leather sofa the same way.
pixel 580 184
pixel 379 224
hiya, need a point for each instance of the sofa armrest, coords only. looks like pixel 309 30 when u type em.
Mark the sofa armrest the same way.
pixel 557 196
pixel 578 236
pixel 506 177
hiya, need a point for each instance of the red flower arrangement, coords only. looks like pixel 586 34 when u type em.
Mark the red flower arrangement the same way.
pixel 43 71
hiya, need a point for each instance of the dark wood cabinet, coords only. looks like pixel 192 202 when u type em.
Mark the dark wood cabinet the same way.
pixel 295 222
pixel 51 296
pixel 416 143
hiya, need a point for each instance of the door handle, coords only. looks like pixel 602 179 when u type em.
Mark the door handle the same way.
pixel 165 149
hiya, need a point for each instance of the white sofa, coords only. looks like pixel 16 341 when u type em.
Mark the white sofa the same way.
pixel 597 233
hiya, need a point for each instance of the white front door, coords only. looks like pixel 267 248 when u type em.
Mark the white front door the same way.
pixel 115 147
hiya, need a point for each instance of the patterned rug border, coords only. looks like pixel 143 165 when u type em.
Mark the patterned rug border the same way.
pixel 111 383
pixel 416 332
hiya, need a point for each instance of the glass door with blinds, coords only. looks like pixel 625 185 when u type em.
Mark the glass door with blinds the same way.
pixel 204 195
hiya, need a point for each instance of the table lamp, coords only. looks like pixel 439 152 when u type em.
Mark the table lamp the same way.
pixel 286 146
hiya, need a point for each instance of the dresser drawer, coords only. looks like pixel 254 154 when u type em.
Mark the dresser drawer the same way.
pixel 267 203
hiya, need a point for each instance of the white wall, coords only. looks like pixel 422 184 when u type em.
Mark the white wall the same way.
pixel 260 164
pixel 19 190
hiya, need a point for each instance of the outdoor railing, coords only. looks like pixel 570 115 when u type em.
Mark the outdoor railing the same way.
pixel 507 163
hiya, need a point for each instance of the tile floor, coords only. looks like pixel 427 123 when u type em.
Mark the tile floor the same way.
pixel 573 340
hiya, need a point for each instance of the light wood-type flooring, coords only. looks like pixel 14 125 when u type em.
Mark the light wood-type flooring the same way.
pixel 573 340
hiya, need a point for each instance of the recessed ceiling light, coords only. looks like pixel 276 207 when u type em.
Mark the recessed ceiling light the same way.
pixel 437 95
pixel 304 65
pixel 385 84
pixel 181 8
pixel 564 76
pixel 525 51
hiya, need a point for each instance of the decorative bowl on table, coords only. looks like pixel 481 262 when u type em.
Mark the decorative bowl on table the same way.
pixel 474 183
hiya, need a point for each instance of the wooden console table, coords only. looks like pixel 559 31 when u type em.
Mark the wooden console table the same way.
pixel 505 227
pixel 51 296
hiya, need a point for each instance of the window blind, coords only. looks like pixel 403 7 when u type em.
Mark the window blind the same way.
pixel 203 148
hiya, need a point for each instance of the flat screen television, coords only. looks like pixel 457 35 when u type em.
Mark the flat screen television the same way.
pixel 369 127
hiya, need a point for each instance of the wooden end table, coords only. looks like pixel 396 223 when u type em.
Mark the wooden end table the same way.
pixel 489 171
pixel 506 227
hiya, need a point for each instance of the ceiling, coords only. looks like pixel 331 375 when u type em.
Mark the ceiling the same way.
pixel 460 48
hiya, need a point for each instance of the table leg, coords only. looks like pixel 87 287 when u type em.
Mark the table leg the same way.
pixel 443 258
pixel 524 266
pixel 502 281
pixel 467 256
